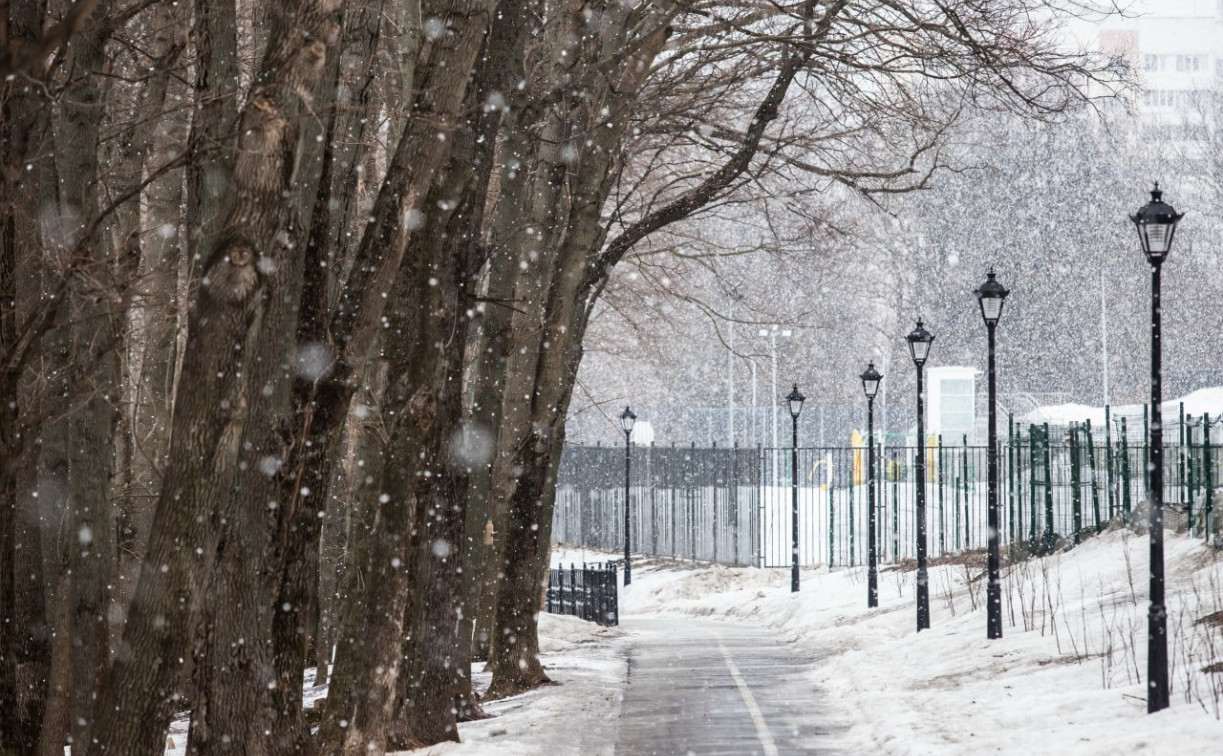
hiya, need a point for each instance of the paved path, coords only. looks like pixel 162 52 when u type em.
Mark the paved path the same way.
pixel 708 688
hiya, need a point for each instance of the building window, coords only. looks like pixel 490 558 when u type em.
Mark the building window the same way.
pixel 1188 63
pixel 1150 63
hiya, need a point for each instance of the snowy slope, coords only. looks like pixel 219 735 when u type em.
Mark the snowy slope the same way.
pixel 1067 677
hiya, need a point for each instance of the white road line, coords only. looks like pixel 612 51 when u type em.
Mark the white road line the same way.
pixel 762 729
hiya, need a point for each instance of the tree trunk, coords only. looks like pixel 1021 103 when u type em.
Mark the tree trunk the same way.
pixel 501 65
pixel 196 500
pixel 155 308
pixel 320 403
pixel 543 363
pixel 24 630
pixel 93 303
pixel 214 120
pixel 442 72
pixel 53 500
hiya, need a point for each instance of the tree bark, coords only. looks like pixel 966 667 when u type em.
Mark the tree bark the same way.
pixel 94 302
pixel 213 124
pixel 225 337
pixel 155 306
pixel 368 651
pixel 24 629
pixel 320 400
pixel 569 191
pixel 502 64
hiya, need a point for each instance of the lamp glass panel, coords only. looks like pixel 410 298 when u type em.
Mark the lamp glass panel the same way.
pixel 991 308
pixel 1159 235
pixel 796 406
pixel 871 388
pixel 920 350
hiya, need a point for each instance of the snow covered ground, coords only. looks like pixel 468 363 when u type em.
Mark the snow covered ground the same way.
pixel 1066 678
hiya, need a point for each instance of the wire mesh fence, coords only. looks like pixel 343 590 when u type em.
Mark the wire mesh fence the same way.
pixel 736 505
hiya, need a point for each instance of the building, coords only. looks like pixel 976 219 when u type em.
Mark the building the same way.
pixel 1176 48
pixel 951 404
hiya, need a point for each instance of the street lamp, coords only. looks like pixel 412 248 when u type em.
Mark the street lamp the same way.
pixel 919 347
pixel 1156 223
pixel 796 406
pixel 772 334
pixel 991 295
pixel 870 386
pixel 627 418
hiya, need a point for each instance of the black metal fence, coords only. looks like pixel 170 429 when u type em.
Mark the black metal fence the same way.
pixel 590 592
pixel 733 505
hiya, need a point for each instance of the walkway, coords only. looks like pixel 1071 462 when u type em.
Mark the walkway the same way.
pixel 703 687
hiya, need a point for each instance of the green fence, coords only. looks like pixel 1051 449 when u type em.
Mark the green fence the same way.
pixel 734 505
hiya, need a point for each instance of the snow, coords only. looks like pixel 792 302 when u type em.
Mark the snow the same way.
pixel 1196 403
pixel 576 716
pixel 1062 679
pixel 1067 677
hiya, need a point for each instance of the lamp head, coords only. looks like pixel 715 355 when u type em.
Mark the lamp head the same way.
pixel 870 381
pixel 1156 223
pixel 796 402
pixel 919 344
pixel 627 419
pixel 991 295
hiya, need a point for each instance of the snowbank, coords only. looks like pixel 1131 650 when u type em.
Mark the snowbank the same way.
pixel 1196 403
pixel 1066 678
pixel 576 717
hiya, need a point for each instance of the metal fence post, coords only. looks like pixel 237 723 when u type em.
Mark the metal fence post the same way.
pixel 853 525
pixel 761 503
pixel 832 522
pixel 1095 480
pixel 1010 473
pixel 1049 529
pixel 964 470
pixel 693 496
pixel 1110 488
pixel 1125 470
pixel 1146 450
pixel 573 594
pixel 896 510
pixel 1180 455
pixel 714 510
pixel 650 481
pixel 1193 469
pixel 1032 449
pixel 1076 484
pixel 942 486
pixel 1208 477
pixel 734 500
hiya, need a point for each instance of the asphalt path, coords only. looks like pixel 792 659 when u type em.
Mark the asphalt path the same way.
pixel 708 688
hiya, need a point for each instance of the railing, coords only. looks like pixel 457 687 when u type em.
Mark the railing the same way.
pixel 590 593
pixel 733 506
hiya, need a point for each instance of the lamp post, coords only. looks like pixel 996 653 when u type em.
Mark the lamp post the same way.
pixel 771 333
pixel 870 386
pixel 991 295
pixel 627 418
pixel 1156 223
pixel 919 347
pixel 796 406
